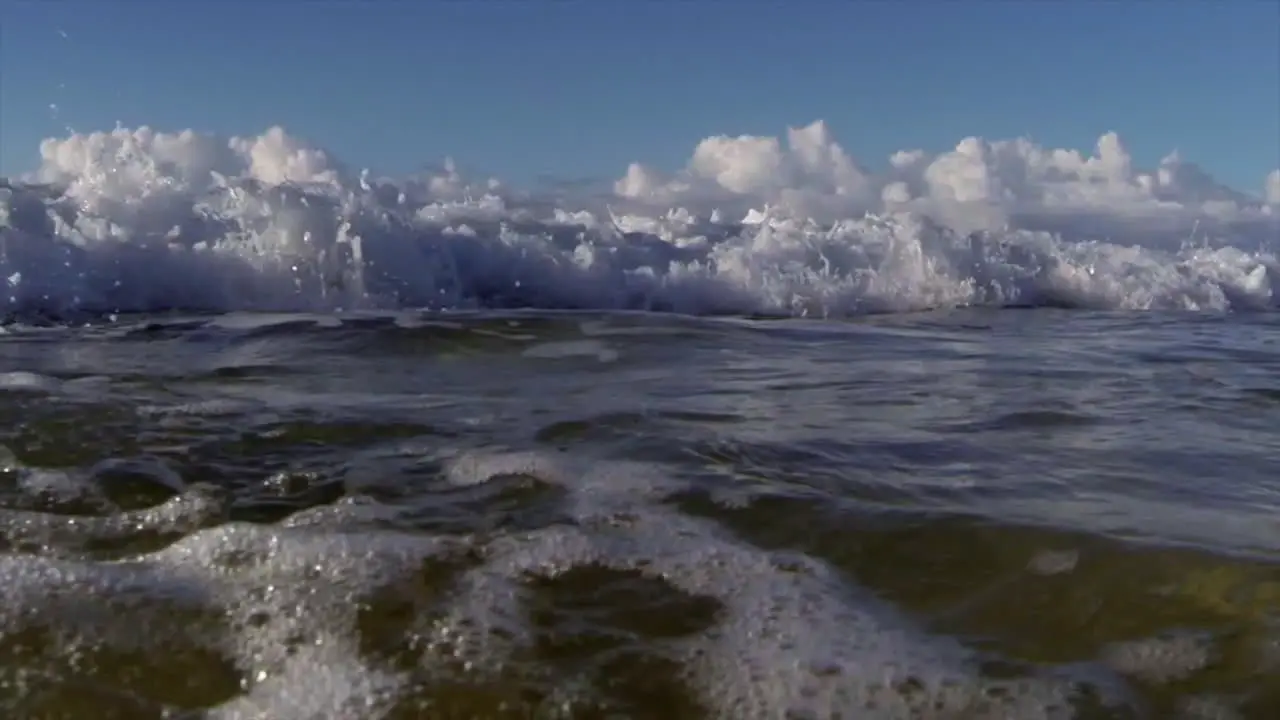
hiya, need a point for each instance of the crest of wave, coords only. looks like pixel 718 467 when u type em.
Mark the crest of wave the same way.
pixel 136 220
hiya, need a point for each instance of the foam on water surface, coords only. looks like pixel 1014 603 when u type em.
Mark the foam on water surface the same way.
pixel 142 220
pixel 285 609
pixel 1162 659
pixel 793 638
pixel 350 610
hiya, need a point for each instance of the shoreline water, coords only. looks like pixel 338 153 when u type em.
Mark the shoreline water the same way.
pixel 1006 513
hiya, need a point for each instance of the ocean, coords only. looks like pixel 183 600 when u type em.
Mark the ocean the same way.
pixel 338 447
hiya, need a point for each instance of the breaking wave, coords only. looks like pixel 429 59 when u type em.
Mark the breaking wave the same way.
pixel 137 220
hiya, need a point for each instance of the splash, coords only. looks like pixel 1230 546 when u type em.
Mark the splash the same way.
pixel 138 220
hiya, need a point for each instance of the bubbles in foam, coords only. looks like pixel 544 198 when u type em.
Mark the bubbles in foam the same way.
pixel 1162 659
pixel 290 611
pixel 292 596
pixel 278 604
pixel 39 531
pixel 794 639
pixel 141 220
pixel 352 511
pixel 320 681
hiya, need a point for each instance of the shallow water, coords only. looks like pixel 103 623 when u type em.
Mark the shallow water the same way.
pixel 961 514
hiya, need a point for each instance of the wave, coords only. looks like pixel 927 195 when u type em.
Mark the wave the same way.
pixel 138 221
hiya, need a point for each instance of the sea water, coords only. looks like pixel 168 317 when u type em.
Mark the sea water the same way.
pixel 282 440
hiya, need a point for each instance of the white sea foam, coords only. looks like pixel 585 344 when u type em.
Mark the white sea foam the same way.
pixel 138 220
pixel 279 606
pixel 794 639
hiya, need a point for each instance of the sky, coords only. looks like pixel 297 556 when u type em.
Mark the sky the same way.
pixel 576 90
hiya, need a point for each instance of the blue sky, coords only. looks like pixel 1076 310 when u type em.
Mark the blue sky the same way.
pixel 578 90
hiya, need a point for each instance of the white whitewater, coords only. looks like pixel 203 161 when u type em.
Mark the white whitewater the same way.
pixel 137 220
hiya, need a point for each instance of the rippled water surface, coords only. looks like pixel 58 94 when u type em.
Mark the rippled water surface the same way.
pixel 965 514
